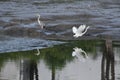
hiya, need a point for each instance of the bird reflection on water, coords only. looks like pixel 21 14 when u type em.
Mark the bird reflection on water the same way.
pixel 79 53
pixel 38 52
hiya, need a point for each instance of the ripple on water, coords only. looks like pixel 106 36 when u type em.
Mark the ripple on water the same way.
pixel 23 44
pixel 99 13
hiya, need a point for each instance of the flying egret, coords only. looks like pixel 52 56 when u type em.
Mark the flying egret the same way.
pixel 38 52
pixel 40 22
pixel 77 51
pixel 79 31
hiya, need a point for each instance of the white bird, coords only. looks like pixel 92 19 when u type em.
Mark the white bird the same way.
pixel 38 52
pixel 79 31
pixel 40 22
pixel 78 51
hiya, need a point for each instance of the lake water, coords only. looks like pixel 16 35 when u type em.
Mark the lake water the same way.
pixel 102 15
pixel 20 37
pixel 57 62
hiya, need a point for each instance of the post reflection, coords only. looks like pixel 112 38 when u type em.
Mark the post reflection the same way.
pixel 107 63
pixel 29 70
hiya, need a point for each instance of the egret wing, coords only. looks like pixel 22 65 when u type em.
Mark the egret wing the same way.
pixel 82 28
pixel 73 53
pixel 74 29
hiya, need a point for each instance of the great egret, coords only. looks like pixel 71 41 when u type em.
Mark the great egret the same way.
pixel 38 52
pixel 40 22
pixel 78 51
pixel 79 31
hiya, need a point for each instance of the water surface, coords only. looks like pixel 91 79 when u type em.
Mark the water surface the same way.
pixel 57 63
pixel 21 36
pixel 19 17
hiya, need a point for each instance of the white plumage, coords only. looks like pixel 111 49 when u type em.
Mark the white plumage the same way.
pixel 40 22
pixel 78 51
pixel 79 31
pixel 38 52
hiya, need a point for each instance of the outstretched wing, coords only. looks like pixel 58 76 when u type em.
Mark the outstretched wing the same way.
pixel 81 28
pixel 73 53
pixel 74 29
pixel 84 54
